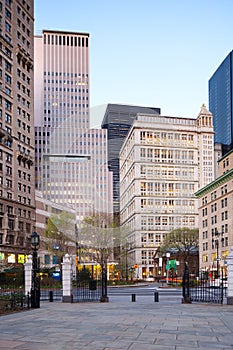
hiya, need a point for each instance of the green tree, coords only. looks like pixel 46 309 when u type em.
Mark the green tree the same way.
pixel 182 242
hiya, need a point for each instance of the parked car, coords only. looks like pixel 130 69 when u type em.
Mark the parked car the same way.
pixel 219 282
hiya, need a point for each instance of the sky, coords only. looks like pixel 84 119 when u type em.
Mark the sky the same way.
pixel 156 53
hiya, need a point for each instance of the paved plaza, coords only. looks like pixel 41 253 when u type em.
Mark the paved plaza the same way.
pixel 124 325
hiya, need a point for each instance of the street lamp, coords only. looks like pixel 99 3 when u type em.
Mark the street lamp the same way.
pixel 167 265
pixel 216 242
pixel 104 296
pixel 35 290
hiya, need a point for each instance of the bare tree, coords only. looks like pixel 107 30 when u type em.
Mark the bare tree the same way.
pixel 59 236
pixel 100 236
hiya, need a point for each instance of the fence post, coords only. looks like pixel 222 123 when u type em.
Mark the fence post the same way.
pixel 66 279
pixel 230 277
pixel 28 275
pixel 185 284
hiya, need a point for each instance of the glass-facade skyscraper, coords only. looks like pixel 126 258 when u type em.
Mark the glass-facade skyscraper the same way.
pixel 221 103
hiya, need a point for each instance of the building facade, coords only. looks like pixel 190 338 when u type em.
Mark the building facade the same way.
pixel 17 177
pixel 163 162
pixel 44 210
pixel 215 219
pixel 117 121
pixel 71 159
pixel 221 102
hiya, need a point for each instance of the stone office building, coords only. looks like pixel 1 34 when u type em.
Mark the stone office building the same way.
pixel 163 162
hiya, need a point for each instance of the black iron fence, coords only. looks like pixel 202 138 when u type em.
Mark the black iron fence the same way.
pixel 12 292
pixel 50 289
pixel 86 291
pixel 204 289
pixel 14 301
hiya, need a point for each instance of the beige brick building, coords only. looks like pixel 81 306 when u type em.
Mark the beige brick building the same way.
pixel 215 218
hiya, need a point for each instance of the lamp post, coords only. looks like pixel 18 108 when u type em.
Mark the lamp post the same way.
pixel 126 263
pixel 216 242
pixel 167 266
pixel 104 296
pixel 35 290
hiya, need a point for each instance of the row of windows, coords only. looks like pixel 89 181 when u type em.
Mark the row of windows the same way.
pixel 55 104
pixel 6 50
pixel 19 9
pixel 65 90
pixel 23 113
pixel 23 101
pixel 23 76
pixel 166 203
pixel 149 137
pixel 65 82
pixel 5 182
pixel 224 216
pixel 66 74
pixel 23 138
pixel 23 125
pixel 47 260
pixel 25 65
pixel 224 229
pixel 24 175
pixel 166 154
pixel 21 212
pixel 24 188
pixel 150 238
pixel 152 188
pixel 63 40
pixel 24 200
pixel 150 222
pixel 166 171
pixel 214 195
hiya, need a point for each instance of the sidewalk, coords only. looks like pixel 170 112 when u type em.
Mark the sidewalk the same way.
pixel 122 325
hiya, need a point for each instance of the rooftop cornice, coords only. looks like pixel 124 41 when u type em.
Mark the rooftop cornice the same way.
pixel 215 184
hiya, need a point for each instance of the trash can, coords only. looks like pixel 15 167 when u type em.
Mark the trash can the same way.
pixel 92 285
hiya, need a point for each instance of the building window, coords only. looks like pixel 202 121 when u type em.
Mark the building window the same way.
pixel 47 259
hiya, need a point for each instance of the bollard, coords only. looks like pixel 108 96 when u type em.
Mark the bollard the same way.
pixel 28 300
pixel 51 296
pixel 133 297
pixel 156 297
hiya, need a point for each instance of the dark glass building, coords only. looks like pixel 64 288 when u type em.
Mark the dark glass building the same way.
pixel 221 103
pixel 118 120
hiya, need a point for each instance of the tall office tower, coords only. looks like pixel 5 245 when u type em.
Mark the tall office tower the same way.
pixel 17 178
pixel 163 162
pixel 68 155
pixel 221 103
pixel 118 120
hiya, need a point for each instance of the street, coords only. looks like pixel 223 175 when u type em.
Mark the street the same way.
pixel 145 293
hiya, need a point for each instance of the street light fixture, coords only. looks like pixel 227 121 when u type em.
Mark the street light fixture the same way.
pixel 35 289
pixel 216 243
